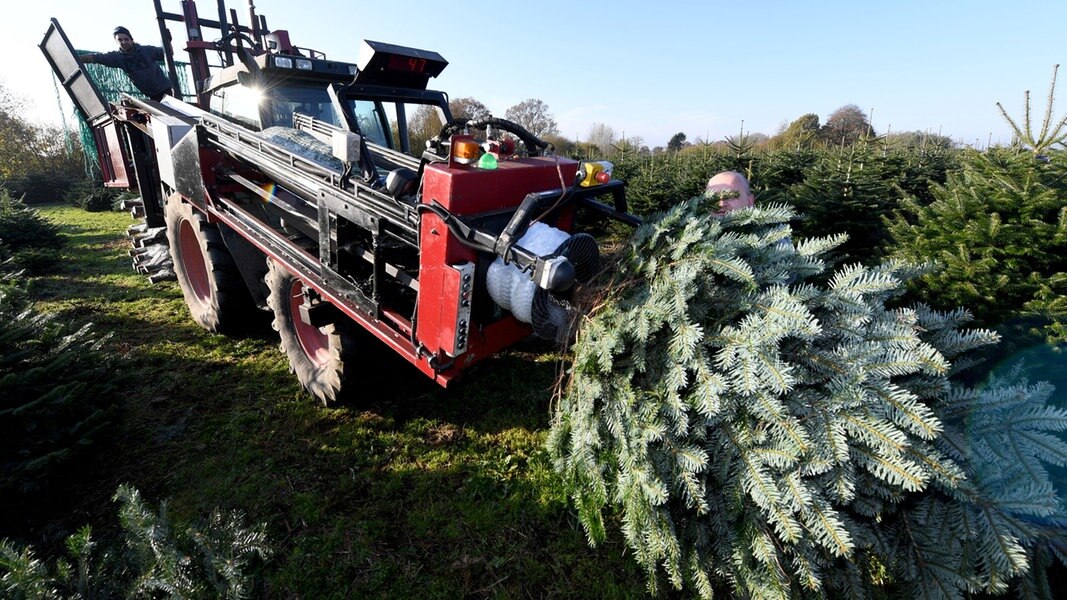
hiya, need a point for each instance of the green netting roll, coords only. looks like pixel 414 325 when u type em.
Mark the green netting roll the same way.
pixel 112 83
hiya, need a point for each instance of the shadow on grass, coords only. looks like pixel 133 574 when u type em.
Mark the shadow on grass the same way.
pixel 76 286
pixel 423 493
pixel 90 237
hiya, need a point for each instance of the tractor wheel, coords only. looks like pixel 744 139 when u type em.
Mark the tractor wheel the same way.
pixel 323 358
pixel 214 291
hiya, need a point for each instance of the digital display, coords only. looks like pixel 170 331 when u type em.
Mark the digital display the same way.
pixel 389 64
pixel 408 64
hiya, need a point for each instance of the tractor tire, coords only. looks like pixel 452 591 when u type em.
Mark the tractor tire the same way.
pixel 324 359
pixel 213 288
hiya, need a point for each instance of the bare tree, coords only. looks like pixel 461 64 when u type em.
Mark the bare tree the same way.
pixel 602 136
pixel 467 108
pixel 630 145
pixel 534 116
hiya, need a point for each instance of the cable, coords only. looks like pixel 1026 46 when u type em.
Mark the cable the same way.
pixel 563 186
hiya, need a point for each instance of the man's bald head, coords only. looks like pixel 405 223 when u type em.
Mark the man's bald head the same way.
pixel 732 181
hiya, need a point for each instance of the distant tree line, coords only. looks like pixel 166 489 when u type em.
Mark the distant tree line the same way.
pixel 844 127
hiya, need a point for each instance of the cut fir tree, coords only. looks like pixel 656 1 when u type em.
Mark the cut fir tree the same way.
pixel 762 427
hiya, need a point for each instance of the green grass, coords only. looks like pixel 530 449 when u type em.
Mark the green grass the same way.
pixel 417 492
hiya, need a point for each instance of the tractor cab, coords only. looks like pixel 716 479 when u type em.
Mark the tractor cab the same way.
pixel 384 95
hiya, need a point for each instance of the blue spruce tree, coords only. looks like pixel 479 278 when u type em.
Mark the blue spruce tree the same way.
pixel 763 427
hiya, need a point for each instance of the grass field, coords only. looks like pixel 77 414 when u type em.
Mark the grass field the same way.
pixel 413 492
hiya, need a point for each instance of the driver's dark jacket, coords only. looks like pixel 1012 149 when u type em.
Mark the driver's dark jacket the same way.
pixel 141 63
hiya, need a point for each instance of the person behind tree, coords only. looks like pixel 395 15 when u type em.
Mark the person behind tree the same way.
pixel 731 181
pixel 141 64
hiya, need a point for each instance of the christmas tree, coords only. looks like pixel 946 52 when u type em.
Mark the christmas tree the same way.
pixel 761 426
pixel 998 231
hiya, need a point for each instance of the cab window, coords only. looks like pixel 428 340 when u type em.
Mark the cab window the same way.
pixel 372 121
pixel 240 104
pixel 380 123
pixel 423 122
pixel 311 101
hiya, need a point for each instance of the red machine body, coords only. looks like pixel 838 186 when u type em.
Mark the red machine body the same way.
pixel 472 192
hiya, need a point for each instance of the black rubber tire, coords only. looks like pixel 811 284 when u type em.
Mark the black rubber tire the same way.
pixel 324 359
pixel 214 291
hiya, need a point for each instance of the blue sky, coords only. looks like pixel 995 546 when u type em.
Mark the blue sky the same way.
pixel 652 69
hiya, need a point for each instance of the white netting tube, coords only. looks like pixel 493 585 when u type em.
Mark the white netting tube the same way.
pixel 511 288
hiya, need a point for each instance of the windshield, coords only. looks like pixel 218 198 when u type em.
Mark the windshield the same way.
pixel 377 121
pixel 313 102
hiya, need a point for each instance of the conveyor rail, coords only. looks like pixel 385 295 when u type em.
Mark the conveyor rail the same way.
pixel 314 182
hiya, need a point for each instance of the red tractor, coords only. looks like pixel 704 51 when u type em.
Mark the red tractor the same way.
pixel 307 186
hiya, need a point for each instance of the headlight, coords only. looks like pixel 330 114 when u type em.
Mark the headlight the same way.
pixel 281 61
pixel 303 65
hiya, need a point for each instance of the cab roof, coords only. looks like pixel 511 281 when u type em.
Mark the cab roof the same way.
pixel 379 64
